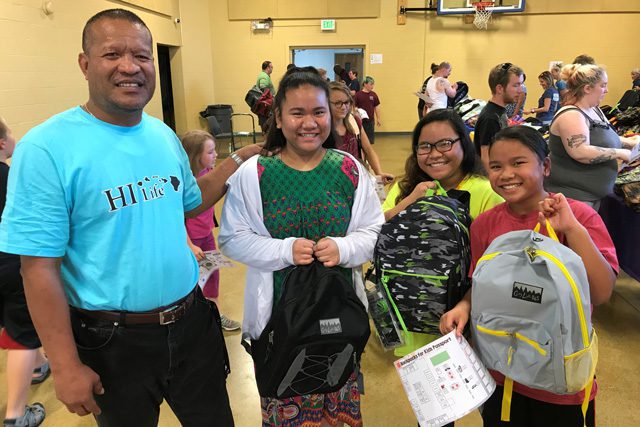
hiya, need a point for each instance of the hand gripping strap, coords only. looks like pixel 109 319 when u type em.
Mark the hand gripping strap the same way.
pixel 550 231
pixel 439 189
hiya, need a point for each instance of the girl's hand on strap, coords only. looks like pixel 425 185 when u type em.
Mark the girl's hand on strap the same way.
pixel 421 190
pixel 556 209
pixel 303 251
pixel 327 252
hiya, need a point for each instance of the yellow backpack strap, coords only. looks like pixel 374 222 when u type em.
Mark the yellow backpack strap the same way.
pixel 585 402
pixel 507 392
pixel 550 231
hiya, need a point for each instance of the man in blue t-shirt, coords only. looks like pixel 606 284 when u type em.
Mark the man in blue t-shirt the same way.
pixel 95 207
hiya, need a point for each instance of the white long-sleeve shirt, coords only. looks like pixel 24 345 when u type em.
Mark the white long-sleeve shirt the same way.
pixel 244 238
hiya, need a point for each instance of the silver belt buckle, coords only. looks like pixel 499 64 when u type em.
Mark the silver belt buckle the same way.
pixel 168 316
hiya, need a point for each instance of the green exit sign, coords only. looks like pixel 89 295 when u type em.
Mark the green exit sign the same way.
pixel 328 24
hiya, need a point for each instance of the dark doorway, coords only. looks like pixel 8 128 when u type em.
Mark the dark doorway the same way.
pixel 166 89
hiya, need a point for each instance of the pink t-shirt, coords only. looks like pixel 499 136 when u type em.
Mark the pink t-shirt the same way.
pixel 201 225
pixel 500 220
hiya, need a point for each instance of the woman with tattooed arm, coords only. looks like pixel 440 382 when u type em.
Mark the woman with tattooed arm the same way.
pixel 584 147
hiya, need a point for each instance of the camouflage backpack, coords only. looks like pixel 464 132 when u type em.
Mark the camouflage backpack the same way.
pixel 422 258
pixel 628 185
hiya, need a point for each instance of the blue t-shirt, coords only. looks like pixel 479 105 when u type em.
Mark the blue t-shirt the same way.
pixel 110 201
pixel 561 85
pixel 553 94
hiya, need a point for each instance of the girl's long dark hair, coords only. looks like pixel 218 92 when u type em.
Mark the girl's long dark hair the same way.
pixel 470 164
pixel 293 79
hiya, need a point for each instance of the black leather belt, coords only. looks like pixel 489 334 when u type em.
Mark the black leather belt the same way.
pixel 160 316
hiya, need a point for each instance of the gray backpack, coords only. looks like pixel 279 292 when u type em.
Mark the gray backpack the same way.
pixel 531 315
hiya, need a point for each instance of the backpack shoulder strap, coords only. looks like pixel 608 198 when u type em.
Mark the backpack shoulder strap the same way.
pixel 354 125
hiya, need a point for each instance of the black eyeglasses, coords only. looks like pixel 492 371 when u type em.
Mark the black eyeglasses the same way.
pixel 441 146
pixel 340 104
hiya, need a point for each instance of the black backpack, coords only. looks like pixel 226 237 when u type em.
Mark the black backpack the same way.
pixel 422 258
pixel 462 93
pixel 315 337
pixel 630 99
pixel 253 96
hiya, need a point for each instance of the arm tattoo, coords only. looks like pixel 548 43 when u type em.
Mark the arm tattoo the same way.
pixel 607 154
pixel 575 141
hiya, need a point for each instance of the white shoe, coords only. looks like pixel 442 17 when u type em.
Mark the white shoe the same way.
pixel 229 324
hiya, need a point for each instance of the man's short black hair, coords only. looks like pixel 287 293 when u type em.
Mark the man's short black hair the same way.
pixel 123 14
pixel 266 64
pixel 355 72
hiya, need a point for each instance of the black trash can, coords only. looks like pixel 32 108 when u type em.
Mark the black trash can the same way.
pixel 222 113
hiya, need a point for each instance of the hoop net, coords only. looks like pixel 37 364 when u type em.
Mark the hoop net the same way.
pixel 483 14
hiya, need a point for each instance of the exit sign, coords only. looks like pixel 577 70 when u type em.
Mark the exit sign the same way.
pixel 328 24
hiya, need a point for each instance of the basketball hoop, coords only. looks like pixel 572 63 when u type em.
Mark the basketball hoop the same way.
pixel 483 14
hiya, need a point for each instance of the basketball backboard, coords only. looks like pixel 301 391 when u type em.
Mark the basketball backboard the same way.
pixel 456 7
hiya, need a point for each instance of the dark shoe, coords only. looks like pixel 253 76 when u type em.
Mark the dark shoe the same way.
pixel 41 373
pixel 33 416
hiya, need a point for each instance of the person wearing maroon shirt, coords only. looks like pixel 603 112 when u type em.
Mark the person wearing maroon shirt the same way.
pixel 518 163
pixel 368 100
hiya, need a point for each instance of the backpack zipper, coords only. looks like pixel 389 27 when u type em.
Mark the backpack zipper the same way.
pixel 514 336
pixel 402 273
pixel 464 227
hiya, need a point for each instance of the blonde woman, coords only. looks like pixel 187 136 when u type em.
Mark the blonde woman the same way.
pixel 561 85
pixel 584 147
pixel 635 77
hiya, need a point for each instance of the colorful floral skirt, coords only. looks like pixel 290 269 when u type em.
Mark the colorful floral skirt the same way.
pixel 308 411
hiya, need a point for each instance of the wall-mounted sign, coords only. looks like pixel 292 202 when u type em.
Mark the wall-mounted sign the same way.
pixel 328 24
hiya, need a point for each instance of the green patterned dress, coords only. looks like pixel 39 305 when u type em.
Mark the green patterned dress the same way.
pixel 309 204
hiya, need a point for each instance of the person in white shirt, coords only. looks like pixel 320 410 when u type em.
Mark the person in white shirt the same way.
pixel 439 88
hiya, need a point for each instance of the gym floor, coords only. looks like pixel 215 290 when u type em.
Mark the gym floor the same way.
pixel 384 403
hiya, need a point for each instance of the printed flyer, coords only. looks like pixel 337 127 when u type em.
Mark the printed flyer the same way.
pixel 444 380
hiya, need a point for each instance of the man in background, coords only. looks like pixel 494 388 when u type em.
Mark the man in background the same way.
pixel 505 82
pixel 354 84
pixel 264 78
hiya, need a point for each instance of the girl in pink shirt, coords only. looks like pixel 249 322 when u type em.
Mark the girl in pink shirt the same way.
pixel 201 150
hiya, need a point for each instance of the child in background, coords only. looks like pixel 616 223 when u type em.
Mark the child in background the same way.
pixel 201 150
pixel 18 336
pixel 518 163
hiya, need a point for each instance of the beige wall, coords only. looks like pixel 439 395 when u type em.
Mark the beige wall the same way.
pixel 529 40
pixel 216 60
pixel 39 75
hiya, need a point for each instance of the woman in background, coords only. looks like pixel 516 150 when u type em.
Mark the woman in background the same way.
pixel 584 147
pixel 548 102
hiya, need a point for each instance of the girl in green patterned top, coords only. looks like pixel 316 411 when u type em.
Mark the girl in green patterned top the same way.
pixel 300 202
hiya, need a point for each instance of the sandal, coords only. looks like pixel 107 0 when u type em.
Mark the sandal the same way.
pixel 41 373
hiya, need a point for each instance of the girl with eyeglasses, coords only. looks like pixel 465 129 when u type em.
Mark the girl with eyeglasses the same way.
pixel 443 151
pixel 348 131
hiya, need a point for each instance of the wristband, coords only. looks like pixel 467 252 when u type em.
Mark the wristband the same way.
pixel 236 158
